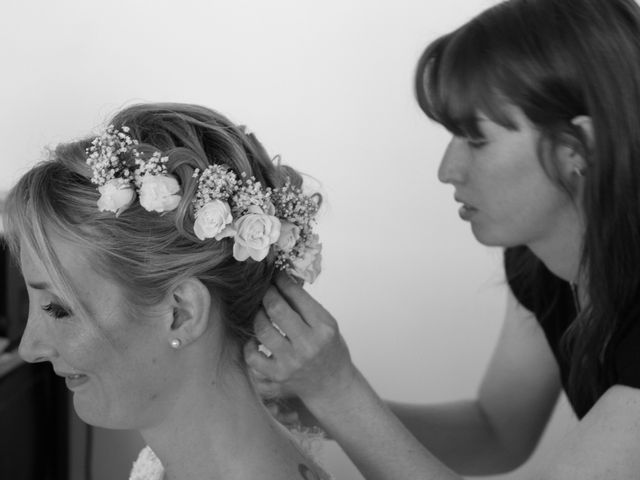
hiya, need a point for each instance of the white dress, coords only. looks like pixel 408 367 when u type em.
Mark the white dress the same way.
pixel 147 466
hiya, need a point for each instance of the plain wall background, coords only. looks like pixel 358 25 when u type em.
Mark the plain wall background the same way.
pixel 326 85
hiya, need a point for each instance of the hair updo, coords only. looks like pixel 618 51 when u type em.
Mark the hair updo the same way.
pixel 149 253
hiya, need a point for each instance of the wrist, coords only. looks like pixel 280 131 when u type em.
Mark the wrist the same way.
pixel 337 395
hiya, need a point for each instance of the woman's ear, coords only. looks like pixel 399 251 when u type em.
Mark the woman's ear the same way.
pixel 191 304
pixel 574 153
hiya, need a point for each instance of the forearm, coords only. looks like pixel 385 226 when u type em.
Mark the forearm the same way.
pixel 460 435
pixel 375 440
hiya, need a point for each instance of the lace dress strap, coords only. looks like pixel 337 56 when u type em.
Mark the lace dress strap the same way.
pixel 147 466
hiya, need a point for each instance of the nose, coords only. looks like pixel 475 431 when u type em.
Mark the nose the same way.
pixel 35 344
pixel 454 162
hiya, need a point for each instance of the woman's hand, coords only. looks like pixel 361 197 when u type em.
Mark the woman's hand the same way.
pixel 308 356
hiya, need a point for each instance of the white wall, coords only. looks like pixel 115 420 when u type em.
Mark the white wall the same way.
pixel 327 85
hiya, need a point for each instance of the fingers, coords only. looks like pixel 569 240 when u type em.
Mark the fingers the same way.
pixel 286 319
pixel 297 344
pixel 266 388
pixel 272 337
pixel 299 300
pixel 261 367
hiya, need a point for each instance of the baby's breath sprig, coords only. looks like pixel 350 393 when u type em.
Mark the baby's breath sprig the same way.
pixel 249 193
pixel 216 182
pixel 104 156
pixel 300 211
pixel 294 205
pixel 154 165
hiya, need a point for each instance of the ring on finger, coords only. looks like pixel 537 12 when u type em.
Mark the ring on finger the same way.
pixel 265 351
pixel 280 331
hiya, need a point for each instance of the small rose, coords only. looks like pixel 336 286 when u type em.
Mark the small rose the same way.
pixel 212 219
pixel 159 193
pixel 255 233
pixel 289 235
pixel 308 266
pixel 115 196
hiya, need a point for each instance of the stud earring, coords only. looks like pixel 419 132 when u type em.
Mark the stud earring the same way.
pixel 175 343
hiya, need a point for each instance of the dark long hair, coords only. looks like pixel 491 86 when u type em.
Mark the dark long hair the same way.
pixel 555 60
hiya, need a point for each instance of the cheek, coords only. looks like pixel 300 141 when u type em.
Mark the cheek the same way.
pixel 145 368
pixel 130 393
pixel 533 215
pixel 523 189
pixel 129 338
pixel 152 390
pixel 138 371
pixel 81 347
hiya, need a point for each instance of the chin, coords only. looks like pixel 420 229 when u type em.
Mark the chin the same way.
pixel 87 413
pixel 94 414
pixel 492 238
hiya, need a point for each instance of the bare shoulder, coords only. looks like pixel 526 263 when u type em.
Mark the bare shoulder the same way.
pixel 604 445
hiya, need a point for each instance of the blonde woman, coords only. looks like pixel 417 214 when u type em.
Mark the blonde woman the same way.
pixel 146 251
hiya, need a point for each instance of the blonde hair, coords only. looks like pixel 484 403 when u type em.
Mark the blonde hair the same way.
pixel 149 253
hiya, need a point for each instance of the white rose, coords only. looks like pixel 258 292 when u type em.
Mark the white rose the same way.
pixel 212 219
pixel 158 193
pixel 289 235
pixel 115 196
pixel 255 233
pixel 308 266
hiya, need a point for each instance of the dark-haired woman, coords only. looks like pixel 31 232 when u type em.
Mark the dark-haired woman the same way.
pixel 542 98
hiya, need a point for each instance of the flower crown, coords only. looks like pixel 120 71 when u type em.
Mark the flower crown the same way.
pixel 225 205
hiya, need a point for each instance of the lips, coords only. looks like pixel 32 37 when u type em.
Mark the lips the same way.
pixel 73 380
pixel 465 203
pixel 462 201
pixel 468 207
pixel 467 210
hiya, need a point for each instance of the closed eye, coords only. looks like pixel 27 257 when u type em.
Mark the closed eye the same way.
pixel 55 310
pixel 477 142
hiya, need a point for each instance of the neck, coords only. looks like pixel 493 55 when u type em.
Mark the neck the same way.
pixel 219 429
pixel 561 249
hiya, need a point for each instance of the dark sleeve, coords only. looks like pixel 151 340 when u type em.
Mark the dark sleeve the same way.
pixel 628 358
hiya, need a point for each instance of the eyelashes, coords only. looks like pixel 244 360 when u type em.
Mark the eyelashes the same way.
pixel 55 310
pixel 473 142
pixel 476 142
